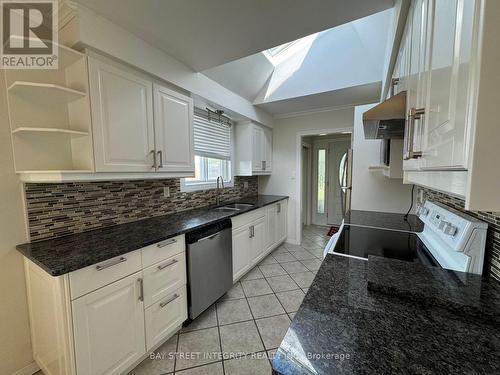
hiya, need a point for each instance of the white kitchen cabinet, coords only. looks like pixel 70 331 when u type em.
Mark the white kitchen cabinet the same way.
pixel 109 328
pixel 416 42
pixel 258 240
pixel 103 319
pixel 276 227
pixel 165 317
pixel 450 37
pixel 272 225
pixel 122 119
pixel 241 251
pixel 173 122
pixel 253 149
pixel 451 98
pixel 256 234
pixel 282 219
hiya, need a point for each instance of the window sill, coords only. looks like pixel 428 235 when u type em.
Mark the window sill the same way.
pixel 186 188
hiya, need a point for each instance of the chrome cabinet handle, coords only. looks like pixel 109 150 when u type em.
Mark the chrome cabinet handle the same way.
pixel 141 289
pixel 160 154
pixel 154 158
pixel 279 207
pixel 101 267
pixel 166 243
pixel 165 303
pixel 414 114
pixel 165 265
pixel 264 165
pixel 249 232
pixel 253 231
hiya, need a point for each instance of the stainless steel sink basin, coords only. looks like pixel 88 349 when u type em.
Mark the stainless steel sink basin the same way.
pixel 226 209
pixel 233 207
pixel 239 206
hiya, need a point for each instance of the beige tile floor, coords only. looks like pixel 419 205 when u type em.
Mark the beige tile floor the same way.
pixel 239 334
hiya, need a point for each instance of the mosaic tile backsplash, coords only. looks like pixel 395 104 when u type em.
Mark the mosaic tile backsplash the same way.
pixel 56 210
pixel 492 263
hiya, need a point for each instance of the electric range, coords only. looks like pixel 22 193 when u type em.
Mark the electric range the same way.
pixel 450 239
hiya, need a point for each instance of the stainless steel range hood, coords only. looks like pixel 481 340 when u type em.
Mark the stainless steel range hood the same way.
pixel 387 119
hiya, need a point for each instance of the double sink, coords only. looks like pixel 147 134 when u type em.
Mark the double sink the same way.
pixel 234 207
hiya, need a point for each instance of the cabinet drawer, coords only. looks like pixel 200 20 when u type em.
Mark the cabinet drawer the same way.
pixel 244 219
pixel 98 275
pixel 162 278
pixel 164 317
pixel 162 250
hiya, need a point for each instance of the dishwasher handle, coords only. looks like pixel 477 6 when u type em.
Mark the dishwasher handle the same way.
pixel 211 237
pixel 208 231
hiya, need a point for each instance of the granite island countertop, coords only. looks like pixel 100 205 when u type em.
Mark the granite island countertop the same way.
pixel 385 220
pixel 346 327
pixel 62 255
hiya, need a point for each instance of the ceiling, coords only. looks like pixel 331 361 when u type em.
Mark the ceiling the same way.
pixel 351 96
pixel 207 33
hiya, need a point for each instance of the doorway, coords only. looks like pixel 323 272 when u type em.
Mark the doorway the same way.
pixel 321 162
pixel 330 186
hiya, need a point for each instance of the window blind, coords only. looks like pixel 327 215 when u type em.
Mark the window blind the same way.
pixel 211 138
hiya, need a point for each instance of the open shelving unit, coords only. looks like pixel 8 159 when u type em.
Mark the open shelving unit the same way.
pixel 50 121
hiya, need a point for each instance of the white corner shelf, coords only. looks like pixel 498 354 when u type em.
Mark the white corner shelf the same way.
pixel 45 91
pixel 27 130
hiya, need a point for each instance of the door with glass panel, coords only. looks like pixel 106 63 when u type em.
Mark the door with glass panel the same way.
pixel 338 181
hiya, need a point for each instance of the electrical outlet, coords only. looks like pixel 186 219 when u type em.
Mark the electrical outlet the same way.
pixel 245 185
pixel 166 192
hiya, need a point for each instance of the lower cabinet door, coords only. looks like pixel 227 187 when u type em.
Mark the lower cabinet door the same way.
pixel 282 210
pixel 164 317
pixel 109 328
pixel 258 240
pixel 271 228
pixel 241 251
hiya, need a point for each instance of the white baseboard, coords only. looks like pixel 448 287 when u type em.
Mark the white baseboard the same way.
pixel 27 370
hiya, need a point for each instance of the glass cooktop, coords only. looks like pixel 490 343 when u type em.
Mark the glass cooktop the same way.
pixel 361 242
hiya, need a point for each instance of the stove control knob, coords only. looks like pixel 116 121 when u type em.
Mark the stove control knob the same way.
pixel 449 229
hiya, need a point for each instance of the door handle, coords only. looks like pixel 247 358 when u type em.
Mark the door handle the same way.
pixel 165 265
pixel 166 243
pixel 101 267
pixel 410 153
pixel 163 304
pixel 154 158
pixel 141 289
pixel 160 154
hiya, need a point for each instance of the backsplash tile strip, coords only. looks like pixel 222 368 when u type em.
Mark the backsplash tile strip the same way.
pixel 492 262
pixel 56 210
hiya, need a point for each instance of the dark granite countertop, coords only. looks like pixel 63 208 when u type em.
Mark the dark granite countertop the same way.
pixel 385 220
pixel 65 254
pixel 345 327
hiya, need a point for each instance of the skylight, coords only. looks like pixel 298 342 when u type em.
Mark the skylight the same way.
pixel 280 53
pixel 276 50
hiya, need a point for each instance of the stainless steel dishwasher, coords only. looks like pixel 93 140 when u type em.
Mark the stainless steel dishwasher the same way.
pixel 210 265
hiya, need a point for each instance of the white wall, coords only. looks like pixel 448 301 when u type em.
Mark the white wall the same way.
pixel 371 191
pixel 283 179
pixel 96 32
pixel 15 344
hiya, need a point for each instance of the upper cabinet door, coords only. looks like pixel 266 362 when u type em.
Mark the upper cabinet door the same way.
pixel 268 144
pixel 416 80
pixel 450 50
pixel 173 130
pixel 258 148
pixel 122 119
